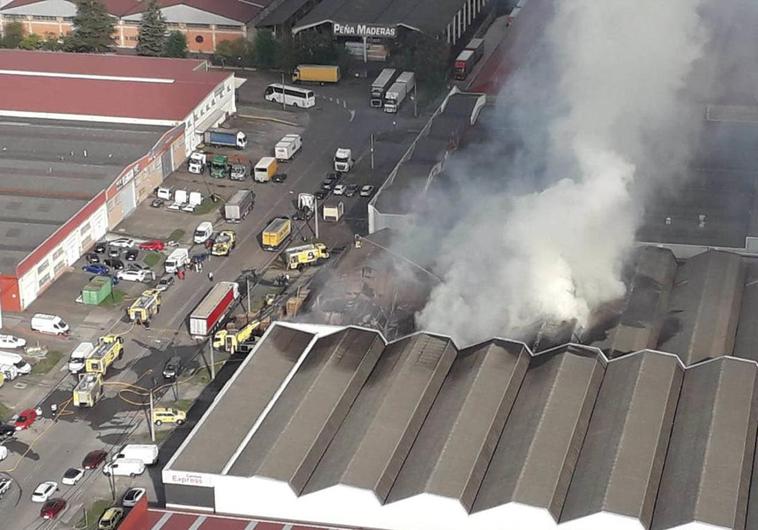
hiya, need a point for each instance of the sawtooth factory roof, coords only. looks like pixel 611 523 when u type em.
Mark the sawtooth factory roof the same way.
pixel 336 426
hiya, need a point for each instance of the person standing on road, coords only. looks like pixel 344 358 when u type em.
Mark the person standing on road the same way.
pixel 210 276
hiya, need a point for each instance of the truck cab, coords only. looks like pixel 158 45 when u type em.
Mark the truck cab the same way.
pixel 219 166
pixel 197 162
pixel 343 160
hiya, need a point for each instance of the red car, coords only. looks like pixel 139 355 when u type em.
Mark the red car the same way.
pixel 155 244
pixel 94 459
pixel 25 419
pixel 52 508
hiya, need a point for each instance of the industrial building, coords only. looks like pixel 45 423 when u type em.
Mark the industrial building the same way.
pixel 336 426
pixel 206 23
pixel 74 165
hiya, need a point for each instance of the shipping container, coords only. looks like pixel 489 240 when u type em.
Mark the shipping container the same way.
pixel 97 290
pixel 277 232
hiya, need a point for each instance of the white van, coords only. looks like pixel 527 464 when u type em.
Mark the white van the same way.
pixel 8 358
pixel 49 324
pixel 176 260
pixel 79 357
pixel 145 453
pixel 203 232
pixel 124 467
pixel 9 372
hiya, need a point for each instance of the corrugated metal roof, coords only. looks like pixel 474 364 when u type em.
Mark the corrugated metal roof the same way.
pixel 253 386
pixel 298 429
pixel 707 470
pixel 620 464
pixel 640 322
pixel 377 434
pixel 456 442
pixel 746 341
pixel 704 307
pixel 535 456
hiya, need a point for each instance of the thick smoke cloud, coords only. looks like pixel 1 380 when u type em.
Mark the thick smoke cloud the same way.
pixel 596 114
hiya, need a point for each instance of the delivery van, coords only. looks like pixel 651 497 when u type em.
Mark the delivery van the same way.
pixel 146 453
pixel 49 324
pixel 176 260
pixel 8 358
pixel 265 169
pixel 124 467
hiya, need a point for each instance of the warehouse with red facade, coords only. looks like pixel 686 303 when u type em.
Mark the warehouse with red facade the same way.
pixel 83 139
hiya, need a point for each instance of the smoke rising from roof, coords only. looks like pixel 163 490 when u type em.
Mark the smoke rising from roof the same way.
pixel 596 110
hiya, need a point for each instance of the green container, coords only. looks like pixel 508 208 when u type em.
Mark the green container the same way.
pixel 97 290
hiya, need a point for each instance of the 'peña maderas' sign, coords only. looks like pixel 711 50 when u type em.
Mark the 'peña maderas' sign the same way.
pixel 365 30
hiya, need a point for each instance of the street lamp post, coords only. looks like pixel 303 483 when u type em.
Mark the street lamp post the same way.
pixel 213 363
pixel 152 425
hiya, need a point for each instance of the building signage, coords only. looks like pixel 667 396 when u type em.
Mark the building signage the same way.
pixel 365 30
pixel 189 479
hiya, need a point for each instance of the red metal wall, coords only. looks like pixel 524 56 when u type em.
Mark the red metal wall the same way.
pixel 9 296
pixel 135 519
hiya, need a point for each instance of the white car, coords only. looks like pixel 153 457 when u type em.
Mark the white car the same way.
pixel 72 476
pixel 132 497
pixel 203 232
pixel 339 189
pixel 136 275
pixel 9 341
pixel 3 453
pixel 44 491
pixel 5 485
pixel 166 281
pixel 122 242
pixel 367 191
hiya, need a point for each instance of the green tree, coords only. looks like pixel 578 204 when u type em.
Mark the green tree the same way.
pixel 426 56
pixel 176 45
pixel 31 42
pixel 314 47
pixel 266 48
pixel 93 28
pixel 13 34
pixel 151 39
pixel 237 52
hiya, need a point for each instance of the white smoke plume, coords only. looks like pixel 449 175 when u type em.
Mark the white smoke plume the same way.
pixel 610 135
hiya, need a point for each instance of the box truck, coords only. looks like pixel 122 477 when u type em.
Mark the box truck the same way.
pixel 380 86
pixel 277 232
pixel 286 148
pixel 398 91
pixel 178 258
pixel 213 308
pixel 333 211
pixel 225 138
pixel 265 169
pixel 316 73
pixel 237 208
pixel 468 57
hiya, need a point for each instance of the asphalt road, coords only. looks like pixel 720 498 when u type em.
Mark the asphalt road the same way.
pixel 50 447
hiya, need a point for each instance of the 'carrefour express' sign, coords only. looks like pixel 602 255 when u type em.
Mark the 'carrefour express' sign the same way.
pixel 365 30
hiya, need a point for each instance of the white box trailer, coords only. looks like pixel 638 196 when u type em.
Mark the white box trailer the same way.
pixel 333 212
pixel 214 307
pixel 287 147
pixel 237 208
pixel 380 85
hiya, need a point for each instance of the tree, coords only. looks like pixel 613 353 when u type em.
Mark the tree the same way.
pixel 151 39
pixel 237 52
pixel 31 42
pixel 93 28
pixel 426 56
pixel 176 45
pixel 313 47
pixel 13 34
pixel 266 48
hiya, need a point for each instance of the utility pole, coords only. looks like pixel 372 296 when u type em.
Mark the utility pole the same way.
pixel 249 295
pixel 284 94
pixel 112 484
pixel 315 213
pixel 152 424
pixel 213 363
pixel 415 100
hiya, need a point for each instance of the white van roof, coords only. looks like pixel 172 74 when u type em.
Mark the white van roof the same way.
pixel 43 316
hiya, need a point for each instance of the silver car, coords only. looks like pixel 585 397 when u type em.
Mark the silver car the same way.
pixel 166 281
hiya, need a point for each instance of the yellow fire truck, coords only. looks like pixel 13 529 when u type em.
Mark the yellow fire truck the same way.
pixel 230 339
pixel 300 256
pixel 109 348
pixel 89 390
pixel 144 307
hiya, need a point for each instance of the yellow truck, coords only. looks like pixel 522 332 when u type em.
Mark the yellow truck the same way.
pixel 265 169
pixel 230 339
pixel 109 348
pixel 225 241
pixel 300 256
pixel 144 307
pixel 89 390
pixel 316 73
pixel 276 233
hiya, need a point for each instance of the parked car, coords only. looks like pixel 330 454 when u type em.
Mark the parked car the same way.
pixel 91 257
pixel 5 485
pixel 132 497
pixel 11 341
pixel 7 431
pixel 156 203
pixel 115 264
pixel 321 195
pixel 133 266
pixel 52 508
pixel 96 268
pixel 203 232
pixel 101 247
pixel 339 189
pixel 25 419
pixel 279 178
pixel 94 459
pixel 3 452
pixel 173 368
pixel 352 189
pixel 114 252
pixel 367 191
pixel 163 415
pixel 136 276
pixel 166 281
pixel 122 242
pixel 327 185
pixel 154 244
pixel 131 254
pixel 44 491
pixel 72 476
pixel 110 518
pixel 332 177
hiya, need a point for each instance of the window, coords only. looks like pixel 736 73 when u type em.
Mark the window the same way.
pixel 44 280
pixel 227 26
pixel 43 267
pixel 199 39
pixel 58 254
pixel 44 17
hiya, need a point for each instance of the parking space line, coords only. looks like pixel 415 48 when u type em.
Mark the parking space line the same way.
pixel 198 522
pixel 251 525
pixel 162 521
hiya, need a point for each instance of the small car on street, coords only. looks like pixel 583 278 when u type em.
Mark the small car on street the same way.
pixel 339 189
pixel 166 281
pixel 52 508
pixel 91 257
pixel 25 419
pixel 132 497
pixel 11 341
pixel 153 244
pixel 136 275
pixel 110 518
pixel 7 431
pixel 5 485
pixel 367 191
pixel 114 252
pixel 122 242
pixel 321 195
pixel 115 264
pixel 101 247
pixel 96 268
pixel 44 491
pixel 172 368
pixel 131 254
pixel 94 459
pixel 72 476
pixel 163 415
pixel 352 189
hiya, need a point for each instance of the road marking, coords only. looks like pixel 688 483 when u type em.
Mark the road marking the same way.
pixel 251 525
pixel 161 521
pixel 199 521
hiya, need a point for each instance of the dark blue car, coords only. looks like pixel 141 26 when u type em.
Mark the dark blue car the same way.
pixel 96 268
